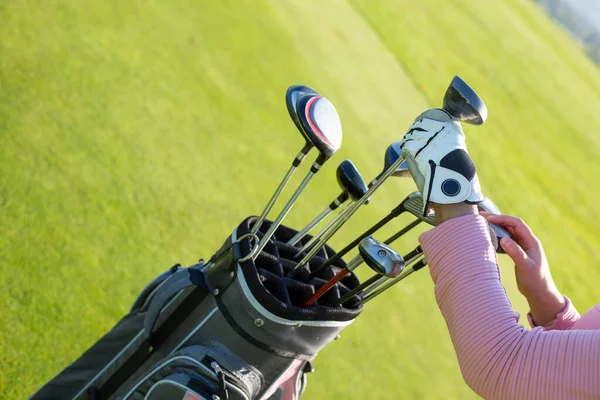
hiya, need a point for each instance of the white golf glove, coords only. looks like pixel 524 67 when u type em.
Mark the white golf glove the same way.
pixel 435 151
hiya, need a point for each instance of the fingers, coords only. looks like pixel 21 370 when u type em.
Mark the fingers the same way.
pixel 514 251
pixel 516 227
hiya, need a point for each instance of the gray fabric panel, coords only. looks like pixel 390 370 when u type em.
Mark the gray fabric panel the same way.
pixel 108 354
pixel 217 328
pixel 176 283
pixel 303 339
pixel 175 340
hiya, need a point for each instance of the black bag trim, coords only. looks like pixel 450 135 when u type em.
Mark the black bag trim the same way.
pixel 137 359
pixel 246 336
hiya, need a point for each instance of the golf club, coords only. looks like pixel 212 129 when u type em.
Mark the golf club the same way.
pixel 462 103
pixel 414 197
pixel 388 263
pixel 496 233
pixel 291 96
pixel 392 153
pixel 321 122
pixel 353 186
pixel 370 250
pixel 414 268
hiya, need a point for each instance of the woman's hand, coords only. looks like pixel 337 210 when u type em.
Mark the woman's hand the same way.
pixel 534 279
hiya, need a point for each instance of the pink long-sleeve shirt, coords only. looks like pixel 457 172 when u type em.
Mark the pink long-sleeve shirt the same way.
pixel 498 357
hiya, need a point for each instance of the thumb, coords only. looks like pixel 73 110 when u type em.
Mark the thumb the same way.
pixel 514 251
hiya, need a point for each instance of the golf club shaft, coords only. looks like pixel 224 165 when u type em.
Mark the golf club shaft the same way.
pixel 356 290
pixel 299 158
pixel 309 245
pixel 402 231
pixel 298 236
pixel 422 263
pixel 409 260
pixel 353 244
pixel 330 283
pixel 352 208
pixel 288 206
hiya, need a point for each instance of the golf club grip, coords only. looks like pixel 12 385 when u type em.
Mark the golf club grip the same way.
pixel 328 285
pixel 357 290
pixel 402 231
pixel 418 250
pixel 353 244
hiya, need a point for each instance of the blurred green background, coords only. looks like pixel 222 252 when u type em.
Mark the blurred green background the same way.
pixel 134 135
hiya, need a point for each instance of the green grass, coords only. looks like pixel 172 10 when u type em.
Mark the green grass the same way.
pixel 134 135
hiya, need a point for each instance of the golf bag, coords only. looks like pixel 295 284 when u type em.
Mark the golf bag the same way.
pixel 231 328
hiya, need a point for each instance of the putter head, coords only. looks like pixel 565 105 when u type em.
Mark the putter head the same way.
pixel 381 258
pixel 463 103
pixel 291 97
pixel 392 153
pixel 350 180
pixel 414 205
pixel 320 122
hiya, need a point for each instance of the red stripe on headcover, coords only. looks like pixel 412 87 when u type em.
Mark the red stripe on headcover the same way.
pixel 308 108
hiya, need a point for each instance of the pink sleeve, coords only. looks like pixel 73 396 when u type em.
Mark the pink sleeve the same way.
pixel 564 320
pixel 499 358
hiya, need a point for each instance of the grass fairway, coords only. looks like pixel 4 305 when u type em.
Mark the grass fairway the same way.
pixel 134 135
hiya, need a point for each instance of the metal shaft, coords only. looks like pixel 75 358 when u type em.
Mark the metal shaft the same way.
pixel 356 290
pixel 309 245
pixel 422 263
pixel 277 193
pixel 410 258
pixel 288 206
pixel 351 210
pixel 298 236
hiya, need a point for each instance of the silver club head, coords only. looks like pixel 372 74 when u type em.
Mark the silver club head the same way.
pixel 381 258
pixel 464 104
pixel 414 205
pixel 321 123
pixel 489 206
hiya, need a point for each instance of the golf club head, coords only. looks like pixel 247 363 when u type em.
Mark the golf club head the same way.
pixel 291 98
pixel 414 205
pixel 392 153
pixel 381 258
pixel 350 180
pixel 463 103
pixel 321 123
pixel 497 233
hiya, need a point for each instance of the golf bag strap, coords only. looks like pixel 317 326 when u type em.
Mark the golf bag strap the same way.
pixel 180 280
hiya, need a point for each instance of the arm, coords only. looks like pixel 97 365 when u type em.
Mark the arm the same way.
pixel 548 307
pixel 497 356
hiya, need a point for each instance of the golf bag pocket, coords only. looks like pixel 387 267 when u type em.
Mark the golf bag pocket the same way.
pixel 198 372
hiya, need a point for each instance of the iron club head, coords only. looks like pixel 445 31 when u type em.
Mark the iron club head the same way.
pixel 414 205
pixel 463 103
pixel 321 124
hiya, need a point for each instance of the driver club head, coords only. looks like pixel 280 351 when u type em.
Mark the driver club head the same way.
pixel 463 103
pixel 381 258
pixel 414 205
pixel 320 122
pixel 291 97
pixel 350 180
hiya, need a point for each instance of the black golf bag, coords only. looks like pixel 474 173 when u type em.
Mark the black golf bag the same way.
pixel 231 328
